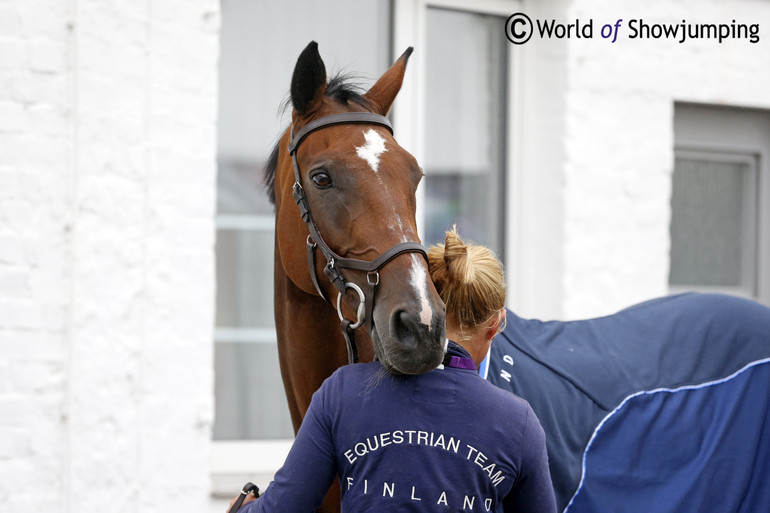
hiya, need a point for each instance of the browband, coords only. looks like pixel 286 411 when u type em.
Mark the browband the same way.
pixel 337 119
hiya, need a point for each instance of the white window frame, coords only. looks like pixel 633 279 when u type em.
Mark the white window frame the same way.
pixel 236 462
pixel 409 20
pixel 728 131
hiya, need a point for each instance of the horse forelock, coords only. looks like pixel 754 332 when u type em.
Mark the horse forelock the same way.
pixel 341 88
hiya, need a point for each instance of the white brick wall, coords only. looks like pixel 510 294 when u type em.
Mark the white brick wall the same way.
pixel 107 197
pixel 598 152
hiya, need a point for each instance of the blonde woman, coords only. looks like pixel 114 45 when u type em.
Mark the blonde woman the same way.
pixel 469 278
pixel 446 440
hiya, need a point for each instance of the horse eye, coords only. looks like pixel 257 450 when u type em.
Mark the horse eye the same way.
pixel 322 180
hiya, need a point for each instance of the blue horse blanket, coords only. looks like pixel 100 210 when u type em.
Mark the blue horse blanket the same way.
pixel 662 407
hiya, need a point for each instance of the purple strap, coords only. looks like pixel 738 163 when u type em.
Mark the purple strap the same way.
pixel 459 362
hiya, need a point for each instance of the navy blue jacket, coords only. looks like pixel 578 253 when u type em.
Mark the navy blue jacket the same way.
pixel 442 441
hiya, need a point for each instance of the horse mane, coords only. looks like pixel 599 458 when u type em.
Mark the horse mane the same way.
pixel 340 88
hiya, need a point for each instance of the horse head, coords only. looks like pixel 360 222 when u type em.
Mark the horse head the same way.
pixel 359 185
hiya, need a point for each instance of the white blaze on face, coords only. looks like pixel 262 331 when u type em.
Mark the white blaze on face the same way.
pixel 418 279
pixel 372 149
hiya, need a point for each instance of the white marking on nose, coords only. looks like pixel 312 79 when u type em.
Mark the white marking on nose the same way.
pixel 372 149
pixel 419 280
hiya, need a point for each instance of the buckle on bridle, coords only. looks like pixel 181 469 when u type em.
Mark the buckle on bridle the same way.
pixel 297 191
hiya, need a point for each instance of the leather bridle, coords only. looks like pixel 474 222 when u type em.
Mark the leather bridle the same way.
pixel 334 262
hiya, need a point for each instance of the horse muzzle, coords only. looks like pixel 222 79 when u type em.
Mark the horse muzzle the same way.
pixel 410 346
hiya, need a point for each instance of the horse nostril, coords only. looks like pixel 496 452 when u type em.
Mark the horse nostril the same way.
pixel 404 330
pixel 413 347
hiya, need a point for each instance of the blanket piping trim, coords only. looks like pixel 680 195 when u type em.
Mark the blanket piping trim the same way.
pixel 651 392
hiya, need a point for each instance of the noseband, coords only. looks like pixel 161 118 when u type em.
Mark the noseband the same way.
pixel 334 262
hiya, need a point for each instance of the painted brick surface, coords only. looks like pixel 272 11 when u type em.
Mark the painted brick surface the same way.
pixel 618 141
pixel 107 197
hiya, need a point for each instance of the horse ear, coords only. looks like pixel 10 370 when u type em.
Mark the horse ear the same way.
pixel 308 82
pixel 384 91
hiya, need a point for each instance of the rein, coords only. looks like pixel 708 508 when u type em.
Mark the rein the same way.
pixel 334 262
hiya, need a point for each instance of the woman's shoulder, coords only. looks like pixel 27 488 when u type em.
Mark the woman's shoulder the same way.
pixel 351 371
pixel 353 376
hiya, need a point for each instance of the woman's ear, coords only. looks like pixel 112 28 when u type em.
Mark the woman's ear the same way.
pixel 497 326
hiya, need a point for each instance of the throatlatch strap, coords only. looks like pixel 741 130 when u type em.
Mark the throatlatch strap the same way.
pixel 311 269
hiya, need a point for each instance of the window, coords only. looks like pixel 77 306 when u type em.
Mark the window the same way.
pixel 260 43
pixel 719 210
pixel 465 151
pixel 713 221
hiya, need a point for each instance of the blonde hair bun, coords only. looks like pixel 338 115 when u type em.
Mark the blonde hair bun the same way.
pixel 459 265
pixel 469 278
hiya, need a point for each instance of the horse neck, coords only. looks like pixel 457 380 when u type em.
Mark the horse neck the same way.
pixel 310 344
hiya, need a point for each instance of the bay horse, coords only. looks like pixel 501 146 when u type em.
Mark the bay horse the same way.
pixel 348 260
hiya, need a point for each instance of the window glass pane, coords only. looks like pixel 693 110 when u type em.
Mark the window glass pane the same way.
pixel 260 43
pixel 244 287
pixel 257 57
pixel 465 121
pixel 711 223
pixel 250 398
